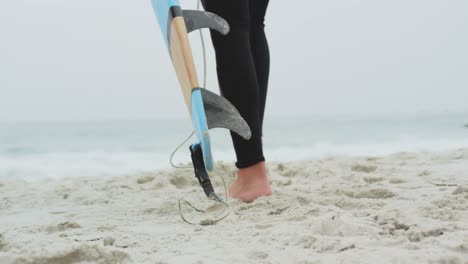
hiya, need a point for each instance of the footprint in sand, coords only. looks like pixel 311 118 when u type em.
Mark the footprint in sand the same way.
pixel 371 194
pixel 417 236
pixel 278 211
pixel 258 255
pixel 3 242
pixel 145 179
pixel 149 211
pixel 447 259
pixel 283 182
pixel 453 203
pixel 308 262
pixel 396 181
pixel 303 201
pixel 460 190
pixel 280 167
pixel 179 182
pixel 263 226
pixel 306 241
pixel 424 173
pixel 371 180
pixel 108 241
pixel 285 171
pixel 444 214
pixel 258 204
pixel 82 254
pixel 363 168
pixel 124 243
pixel 5 203
pixel 390 225
pixel 159 185
pixel 62 227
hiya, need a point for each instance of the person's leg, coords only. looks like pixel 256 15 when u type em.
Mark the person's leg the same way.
pixel 237 75
pixel 238 83
pixel 252 182
pixel 260 50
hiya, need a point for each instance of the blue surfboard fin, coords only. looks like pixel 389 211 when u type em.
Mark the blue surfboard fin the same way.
pixel 210 110
pixel 195 19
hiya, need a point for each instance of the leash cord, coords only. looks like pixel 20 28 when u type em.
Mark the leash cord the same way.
pixel 222 215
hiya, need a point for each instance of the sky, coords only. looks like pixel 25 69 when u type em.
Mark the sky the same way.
pixel 106 59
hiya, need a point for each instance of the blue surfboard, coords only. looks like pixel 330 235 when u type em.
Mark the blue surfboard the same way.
pixel 206 109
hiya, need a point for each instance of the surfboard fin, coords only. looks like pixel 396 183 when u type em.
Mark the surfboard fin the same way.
pixel 220 113
pixel 200 170
pixel 195 19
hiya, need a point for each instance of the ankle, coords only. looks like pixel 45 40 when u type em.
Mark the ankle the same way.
pixel 254 172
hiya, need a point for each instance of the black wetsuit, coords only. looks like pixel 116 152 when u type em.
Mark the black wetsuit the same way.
pixel 243 66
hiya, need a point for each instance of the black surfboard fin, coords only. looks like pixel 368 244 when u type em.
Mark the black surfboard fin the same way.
pixel 195 19
pixel 200 170
pixel 220 113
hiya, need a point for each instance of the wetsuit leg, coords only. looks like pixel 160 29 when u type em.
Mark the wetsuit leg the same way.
pixel 260 50
pixel 237 75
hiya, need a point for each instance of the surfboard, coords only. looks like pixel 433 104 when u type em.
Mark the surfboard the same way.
pixel 206 109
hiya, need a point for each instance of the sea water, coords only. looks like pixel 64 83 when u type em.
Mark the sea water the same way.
pixel 37 150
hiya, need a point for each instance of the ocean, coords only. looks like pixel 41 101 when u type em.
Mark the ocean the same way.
pixel 37 150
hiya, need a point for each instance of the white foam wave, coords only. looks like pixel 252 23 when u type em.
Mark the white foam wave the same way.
pixel 404 143
pixel 102 163
pixel 73 164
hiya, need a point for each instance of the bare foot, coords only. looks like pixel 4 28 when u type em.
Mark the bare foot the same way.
pixel 251 183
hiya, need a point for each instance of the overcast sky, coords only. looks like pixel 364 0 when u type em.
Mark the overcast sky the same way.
pixel 105 59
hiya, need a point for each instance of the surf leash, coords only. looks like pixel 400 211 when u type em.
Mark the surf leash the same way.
pixel 199 166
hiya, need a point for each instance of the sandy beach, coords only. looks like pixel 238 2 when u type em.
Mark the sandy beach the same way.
pixel 401 208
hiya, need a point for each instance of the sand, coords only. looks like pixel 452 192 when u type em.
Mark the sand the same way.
pixel 402 208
